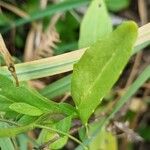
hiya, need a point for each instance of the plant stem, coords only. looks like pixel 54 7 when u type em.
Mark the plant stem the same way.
pixel 63 133
pixel 9 122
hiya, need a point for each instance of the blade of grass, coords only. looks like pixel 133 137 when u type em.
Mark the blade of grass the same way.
pixel 50 10
pixel 143 38
pixel 145 75
pixel 63 63
pixel 57 88
pixel 45 67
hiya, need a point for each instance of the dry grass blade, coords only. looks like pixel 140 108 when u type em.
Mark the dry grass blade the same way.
pixel 144 34
pixel 29 46
pixel 63 63
pixel 8 59
pixel 40 42
pixel 131 135
pixel 48 41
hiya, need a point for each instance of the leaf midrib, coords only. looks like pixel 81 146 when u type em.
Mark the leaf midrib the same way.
pixel 97 78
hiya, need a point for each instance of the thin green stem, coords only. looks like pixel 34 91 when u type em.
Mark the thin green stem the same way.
pixel 9 122
pixel 63 133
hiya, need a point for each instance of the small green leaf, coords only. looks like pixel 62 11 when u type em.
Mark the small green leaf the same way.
pixel 24 94
pixel 96 24
pixel 25 119
pixel 99 68
pixel 63 125
pixel 26 109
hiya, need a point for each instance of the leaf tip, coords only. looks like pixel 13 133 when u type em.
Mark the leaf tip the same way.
pixel 131 26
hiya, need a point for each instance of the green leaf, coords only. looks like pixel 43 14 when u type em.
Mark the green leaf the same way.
pixel 64 126
pixel 99 68
pixel 96 23
pixel 6 144
pixel 117 5
pixel 24 94
pixel 26 109
pixel 144 76
pixel 25 119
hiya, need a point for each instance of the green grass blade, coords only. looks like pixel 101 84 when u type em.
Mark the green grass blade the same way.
pixel 63 63
pixel 57 88
pixel 131 91
pixel 45 67
pixel 49 11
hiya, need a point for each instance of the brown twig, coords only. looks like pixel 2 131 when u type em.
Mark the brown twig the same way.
pixel 8 59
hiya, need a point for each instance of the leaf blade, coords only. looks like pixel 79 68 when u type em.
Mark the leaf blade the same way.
pixel 143 77
pixel 94 68
pixel 96 18
pixel 26 109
